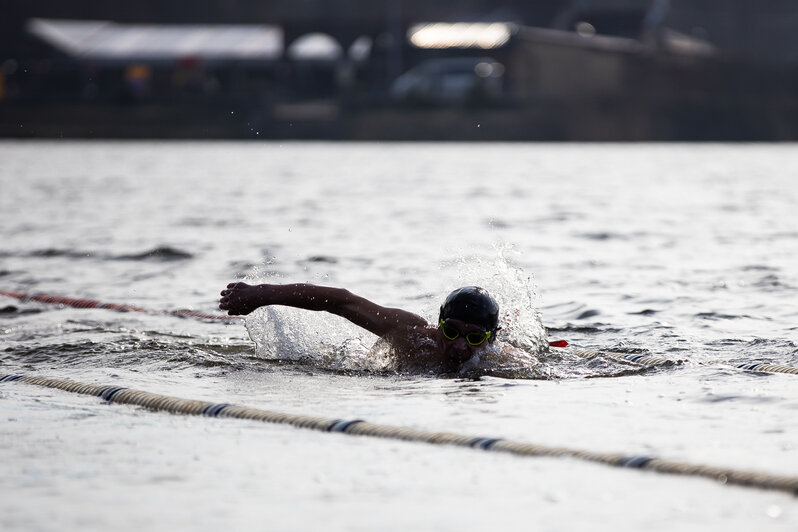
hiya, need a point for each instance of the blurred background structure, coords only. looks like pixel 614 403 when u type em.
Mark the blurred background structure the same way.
pixel 401 69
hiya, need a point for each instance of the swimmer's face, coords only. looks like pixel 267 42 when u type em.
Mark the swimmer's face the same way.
pixel 459 350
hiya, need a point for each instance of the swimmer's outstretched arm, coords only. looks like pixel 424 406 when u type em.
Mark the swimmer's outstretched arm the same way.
pixel 241 298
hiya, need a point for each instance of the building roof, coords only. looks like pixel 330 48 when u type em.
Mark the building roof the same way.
pixel 105 41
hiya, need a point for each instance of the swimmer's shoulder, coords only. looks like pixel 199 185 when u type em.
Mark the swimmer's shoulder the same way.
pixel 415 348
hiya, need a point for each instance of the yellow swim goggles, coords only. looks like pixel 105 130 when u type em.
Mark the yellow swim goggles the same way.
pixel 450 332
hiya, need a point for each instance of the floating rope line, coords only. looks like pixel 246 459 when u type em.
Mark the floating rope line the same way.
pixel 92 303
pixel 765 367
pixel 649 360
pixel 176 405
pixel 643 360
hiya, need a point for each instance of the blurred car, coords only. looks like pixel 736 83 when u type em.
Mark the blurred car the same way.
pixel 451 81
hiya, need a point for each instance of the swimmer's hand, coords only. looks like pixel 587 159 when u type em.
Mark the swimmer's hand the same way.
pixel 240 298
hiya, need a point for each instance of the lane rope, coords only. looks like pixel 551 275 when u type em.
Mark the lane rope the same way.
pixel 359 427
pixel 93 303
pixel 643 360
pixel 650 360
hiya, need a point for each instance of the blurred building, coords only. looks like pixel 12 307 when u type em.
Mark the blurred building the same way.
pixel 556 69
pixel 111 62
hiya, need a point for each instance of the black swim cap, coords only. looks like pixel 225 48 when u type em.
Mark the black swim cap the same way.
pixel 473 305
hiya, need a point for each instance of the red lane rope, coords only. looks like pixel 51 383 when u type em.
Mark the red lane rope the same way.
pixel 93 303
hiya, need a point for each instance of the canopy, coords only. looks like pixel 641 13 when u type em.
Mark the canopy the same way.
pixel 105 41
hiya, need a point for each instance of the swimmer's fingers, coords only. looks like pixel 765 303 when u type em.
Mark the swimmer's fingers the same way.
pixel 224 301
pixel 233 299
pixel 224 304
pixel 232 287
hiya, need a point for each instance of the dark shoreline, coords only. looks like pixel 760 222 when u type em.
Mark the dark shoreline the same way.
pixel 326 121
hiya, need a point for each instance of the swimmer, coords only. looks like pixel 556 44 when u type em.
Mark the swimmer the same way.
pixel 466 327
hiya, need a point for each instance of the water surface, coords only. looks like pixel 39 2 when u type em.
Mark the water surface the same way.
pixel 684 252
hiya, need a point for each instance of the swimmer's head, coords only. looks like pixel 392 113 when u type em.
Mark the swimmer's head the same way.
pixel 472 305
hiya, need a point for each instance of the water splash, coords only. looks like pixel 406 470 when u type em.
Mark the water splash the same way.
pixel 512 287
pixel 315 338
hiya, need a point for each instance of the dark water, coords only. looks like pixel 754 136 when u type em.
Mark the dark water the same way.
pixel 682 252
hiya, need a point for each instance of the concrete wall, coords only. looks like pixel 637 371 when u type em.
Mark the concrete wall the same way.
pixel 551 65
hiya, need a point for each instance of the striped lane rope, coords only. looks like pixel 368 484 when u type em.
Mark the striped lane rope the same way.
pixel 767 368
pixel 176 405
pixel 650 360
pixel 643 360
pixel 93 303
